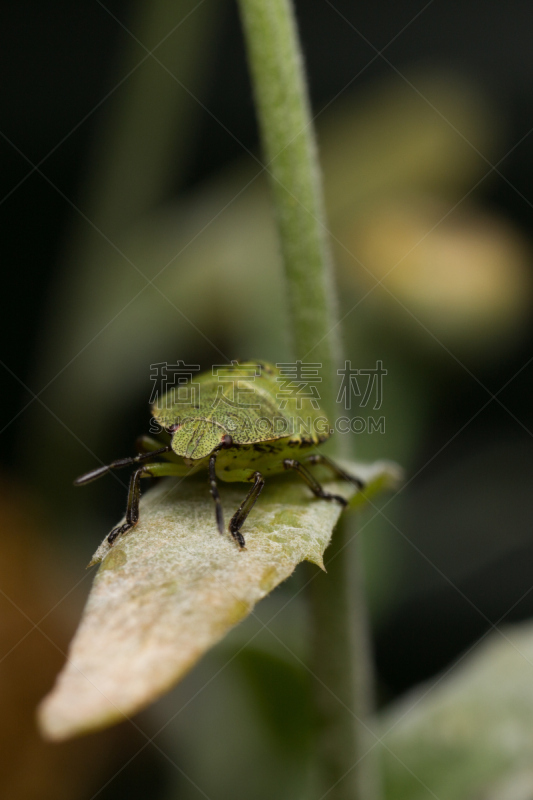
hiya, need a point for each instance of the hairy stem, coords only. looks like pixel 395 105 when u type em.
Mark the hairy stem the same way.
pixel 340 661
pixel 290 160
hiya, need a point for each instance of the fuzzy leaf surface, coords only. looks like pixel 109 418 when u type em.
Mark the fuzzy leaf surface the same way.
pixel 173 587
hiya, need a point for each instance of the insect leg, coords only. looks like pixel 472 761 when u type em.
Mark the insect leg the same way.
pixel 119 464
pixel 155 470
pixel 215 495
pixel 244 509
pixel 340 473
pixel 132 509
pixel 316 488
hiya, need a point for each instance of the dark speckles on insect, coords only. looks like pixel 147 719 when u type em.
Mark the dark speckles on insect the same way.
pixel 230 441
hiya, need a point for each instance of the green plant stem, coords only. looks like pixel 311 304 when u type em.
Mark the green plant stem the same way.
pixel 343 693
pixel 340 661
pixel 290 159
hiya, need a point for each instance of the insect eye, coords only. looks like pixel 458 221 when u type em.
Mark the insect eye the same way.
pixel 173 428
pixel 226 440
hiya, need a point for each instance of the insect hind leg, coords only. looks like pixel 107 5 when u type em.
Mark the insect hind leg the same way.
pixel 340 473
pixel 314 485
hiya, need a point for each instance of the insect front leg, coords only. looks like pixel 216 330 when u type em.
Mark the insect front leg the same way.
pixel 238 519
pixel 156 470
pixel 132 509
pixel 215 494
pixel 316 488
pixel 340 473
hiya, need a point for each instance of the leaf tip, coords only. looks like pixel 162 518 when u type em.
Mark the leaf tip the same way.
pixel 394 474
pixel 48 724
pixel 72 709
pixel 318 560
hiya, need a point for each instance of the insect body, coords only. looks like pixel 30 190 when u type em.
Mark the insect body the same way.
pixel 235 427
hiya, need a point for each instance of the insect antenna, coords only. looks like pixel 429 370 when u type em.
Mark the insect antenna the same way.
pixel 120 463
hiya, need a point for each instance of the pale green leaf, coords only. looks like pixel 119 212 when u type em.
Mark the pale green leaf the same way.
pixel 169 590
pixel 466 735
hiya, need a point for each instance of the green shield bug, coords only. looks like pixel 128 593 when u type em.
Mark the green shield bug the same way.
pixel 241 440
